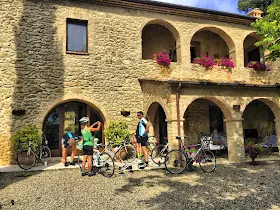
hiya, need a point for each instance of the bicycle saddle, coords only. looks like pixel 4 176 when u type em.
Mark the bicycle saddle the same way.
pixel 178 137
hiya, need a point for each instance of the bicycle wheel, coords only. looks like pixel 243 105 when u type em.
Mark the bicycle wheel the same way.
pixel 127 153
pixel 159 153
pixel 207 161
pixel 106 165
pixel 175 161
pixel 25 159
pixel 46 154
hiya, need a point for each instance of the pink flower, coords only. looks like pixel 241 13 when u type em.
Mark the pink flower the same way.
pixel 257 66
pixel 163 59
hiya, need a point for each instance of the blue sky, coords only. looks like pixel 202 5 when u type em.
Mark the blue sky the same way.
pixel 221 5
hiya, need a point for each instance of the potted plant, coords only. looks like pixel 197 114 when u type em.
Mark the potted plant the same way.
pixel 226 63
pixel 21 138
pixel 205 61
pixel 116 132
pixel 258 66
pixel 162 58
pixel 253 150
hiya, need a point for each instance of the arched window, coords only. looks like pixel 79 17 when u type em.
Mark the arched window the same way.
pixel 251 52
pixel 158 36
pixel 212 42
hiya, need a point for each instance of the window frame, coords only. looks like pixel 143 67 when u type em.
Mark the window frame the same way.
pixel 78 21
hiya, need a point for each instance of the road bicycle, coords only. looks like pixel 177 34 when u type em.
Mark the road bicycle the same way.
pixel 101 161
pixel 125 152
pixel 27 158
pixel 160 152
pixel 176 161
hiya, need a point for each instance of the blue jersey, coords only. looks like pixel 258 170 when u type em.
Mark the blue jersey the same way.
pixel 142 127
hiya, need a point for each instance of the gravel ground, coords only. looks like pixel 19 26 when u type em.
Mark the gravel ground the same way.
pixel 237 186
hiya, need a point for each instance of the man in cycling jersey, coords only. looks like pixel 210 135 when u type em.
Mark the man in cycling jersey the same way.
pixel 142 136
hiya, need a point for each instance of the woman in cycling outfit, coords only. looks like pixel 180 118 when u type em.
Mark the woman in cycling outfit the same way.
pixel 88 143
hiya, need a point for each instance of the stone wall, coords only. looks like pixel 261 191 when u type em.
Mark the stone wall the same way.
pixel 196 120
pixel 37 74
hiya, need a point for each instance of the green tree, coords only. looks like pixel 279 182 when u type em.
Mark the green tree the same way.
pixel 268 28
pixel 247 5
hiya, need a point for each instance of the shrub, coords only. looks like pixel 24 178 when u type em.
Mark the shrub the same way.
pixel 22 136
pixel 116 132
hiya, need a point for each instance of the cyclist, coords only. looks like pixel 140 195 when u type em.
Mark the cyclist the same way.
pixel 88 143
pixel 142 136
pixel 68 140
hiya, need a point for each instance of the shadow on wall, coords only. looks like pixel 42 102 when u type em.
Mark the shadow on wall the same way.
pixel 39 63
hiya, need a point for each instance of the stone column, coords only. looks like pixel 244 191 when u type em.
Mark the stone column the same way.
pixel 172 130
pixel 235 140
pixel 277 129
pixel 239 54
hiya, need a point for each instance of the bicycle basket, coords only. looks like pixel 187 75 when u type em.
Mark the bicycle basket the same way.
pixel 205 142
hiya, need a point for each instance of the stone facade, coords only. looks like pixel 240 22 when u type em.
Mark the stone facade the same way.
pixel 36 73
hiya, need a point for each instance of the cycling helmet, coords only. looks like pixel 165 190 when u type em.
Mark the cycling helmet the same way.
pixel 84 120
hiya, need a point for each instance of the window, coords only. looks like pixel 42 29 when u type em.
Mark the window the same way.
pixel 77 36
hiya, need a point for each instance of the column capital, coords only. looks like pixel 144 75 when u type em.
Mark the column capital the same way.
pixel 232 120
pixel 174 120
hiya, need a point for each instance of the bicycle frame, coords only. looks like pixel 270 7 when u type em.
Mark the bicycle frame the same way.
pixel 198 153
pixel 113 152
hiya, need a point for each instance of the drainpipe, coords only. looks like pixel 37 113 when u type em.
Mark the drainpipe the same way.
pixel 178 109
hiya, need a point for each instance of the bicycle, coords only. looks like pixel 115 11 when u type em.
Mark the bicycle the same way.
pixel 177 160
pixel 126 151
pixel 26 158
pixel 102 161
pixel 159 153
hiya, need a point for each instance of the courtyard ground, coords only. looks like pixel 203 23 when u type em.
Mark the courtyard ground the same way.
pixel 230 186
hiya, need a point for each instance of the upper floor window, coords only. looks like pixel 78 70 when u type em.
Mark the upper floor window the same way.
pixel 157 38
pixel 77 38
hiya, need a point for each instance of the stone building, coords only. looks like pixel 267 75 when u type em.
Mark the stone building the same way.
pixel 60 60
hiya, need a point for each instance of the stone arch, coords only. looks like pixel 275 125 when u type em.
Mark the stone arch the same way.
pixel 166 27
pixel 260 119
pixel 273 105
pixel 63 115
pixel 66 99
pixel 251 52
pixel 220 35
pixel 204 115
pixel 223 106
pixel 157 116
